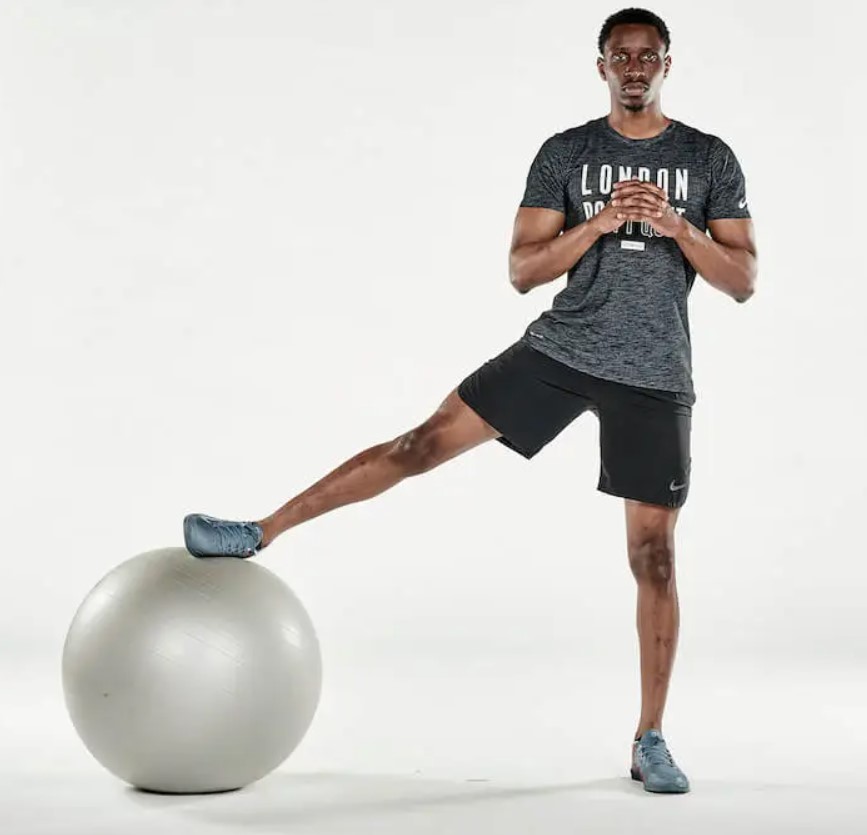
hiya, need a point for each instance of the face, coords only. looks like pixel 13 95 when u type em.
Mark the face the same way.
pixel 634 65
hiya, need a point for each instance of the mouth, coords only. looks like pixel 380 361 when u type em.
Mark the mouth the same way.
pixel 635 89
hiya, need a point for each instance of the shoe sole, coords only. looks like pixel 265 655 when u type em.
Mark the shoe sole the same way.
pixel 636 775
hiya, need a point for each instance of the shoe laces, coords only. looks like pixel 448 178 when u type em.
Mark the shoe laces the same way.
pixel 231 539
pixel 657 754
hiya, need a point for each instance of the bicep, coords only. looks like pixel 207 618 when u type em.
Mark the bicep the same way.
pixel 535 225
pixel 737 233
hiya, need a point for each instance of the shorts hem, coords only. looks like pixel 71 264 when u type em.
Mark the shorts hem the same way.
pixel 524 452
pixel 503 438
pixel 628 494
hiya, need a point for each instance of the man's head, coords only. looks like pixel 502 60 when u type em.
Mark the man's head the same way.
pixel 633 57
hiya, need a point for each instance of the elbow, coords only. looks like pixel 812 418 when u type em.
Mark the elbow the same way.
pixel 517 277
pixel 745 293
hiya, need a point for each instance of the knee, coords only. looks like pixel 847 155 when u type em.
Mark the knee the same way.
pixel 652 559
pixel 416 451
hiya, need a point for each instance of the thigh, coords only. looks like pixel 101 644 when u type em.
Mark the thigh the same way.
pixel 527 396
pixel 454 428
pixel 644 440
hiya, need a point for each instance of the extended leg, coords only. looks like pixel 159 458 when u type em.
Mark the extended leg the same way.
pixel 454 428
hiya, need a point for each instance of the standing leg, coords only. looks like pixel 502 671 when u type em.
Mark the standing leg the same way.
pixel 650 543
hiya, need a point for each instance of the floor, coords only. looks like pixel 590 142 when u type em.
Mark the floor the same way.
pixel 476 744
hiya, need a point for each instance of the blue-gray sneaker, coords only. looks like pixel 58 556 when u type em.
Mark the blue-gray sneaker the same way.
pixel 652 764
pixel 206 536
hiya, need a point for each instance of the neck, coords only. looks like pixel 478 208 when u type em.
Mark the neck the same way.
pixel 638 124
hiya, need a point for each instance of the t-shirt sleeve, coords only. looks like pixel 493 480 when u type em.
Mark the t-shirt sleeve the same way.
pixel 546 182
pixel 728 189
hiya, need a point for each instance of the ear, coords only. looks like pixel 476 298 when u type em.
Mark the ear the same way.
pixel 600 66
pixel 667 66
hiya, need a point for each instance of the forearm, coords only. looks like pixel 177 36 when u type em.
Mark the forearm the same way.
pixel 728 269
pixel 534 264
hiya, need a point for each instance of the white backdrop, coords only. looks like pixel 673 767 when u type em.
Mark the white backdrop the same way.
pixel 243 241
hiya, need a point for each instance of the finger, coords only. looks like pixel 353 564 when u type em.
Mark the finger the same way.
pixel 639 210
pixel 638 214
pixel 635 185
pixel 642 188
pixel 639 197
pixel 646 202
pixel 634 181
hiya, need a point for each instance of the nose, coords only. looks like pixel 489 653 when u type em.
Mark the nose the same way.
pixel 633 67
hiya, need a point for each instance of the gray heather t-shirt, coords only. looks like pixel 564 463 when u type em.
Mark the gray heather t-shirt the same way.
pixel 623 313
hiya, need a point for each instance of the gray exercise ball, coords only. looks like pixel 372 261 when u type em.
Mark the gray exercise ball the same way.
pixel 186 675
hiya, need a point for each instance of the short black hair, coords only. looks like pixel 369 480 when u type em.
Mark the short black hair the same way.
pixel 633 16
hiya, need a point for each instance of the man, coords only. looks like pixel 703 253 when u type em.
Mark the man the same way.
pixel 623 203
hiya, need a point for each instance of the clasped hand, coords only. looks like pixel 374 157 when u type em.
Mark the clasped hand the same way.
pixel 638 201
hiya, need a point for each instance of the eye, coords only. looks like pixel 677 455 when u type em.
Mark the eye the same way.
pixel 650 56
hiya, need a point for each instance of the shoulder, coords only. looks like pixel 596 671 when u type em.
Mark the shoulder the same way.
pixel 577 134
pixel 710 144
pixel 564 145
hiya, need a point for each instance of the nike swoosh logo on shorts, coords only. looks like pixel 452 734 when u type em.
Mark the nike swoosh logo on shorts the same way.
pixel 742 203
pixel 674 486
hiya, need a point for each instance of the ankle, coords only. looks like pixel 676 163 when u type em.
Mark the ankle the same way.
pixel 268 532
pixel 643 730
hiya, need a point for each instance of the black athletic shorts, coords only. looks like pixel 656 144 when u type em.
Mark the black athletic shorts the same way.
pixel 644 433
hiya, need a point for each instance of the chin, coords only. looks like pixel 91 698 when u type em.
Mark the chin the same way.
pixel 633 107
